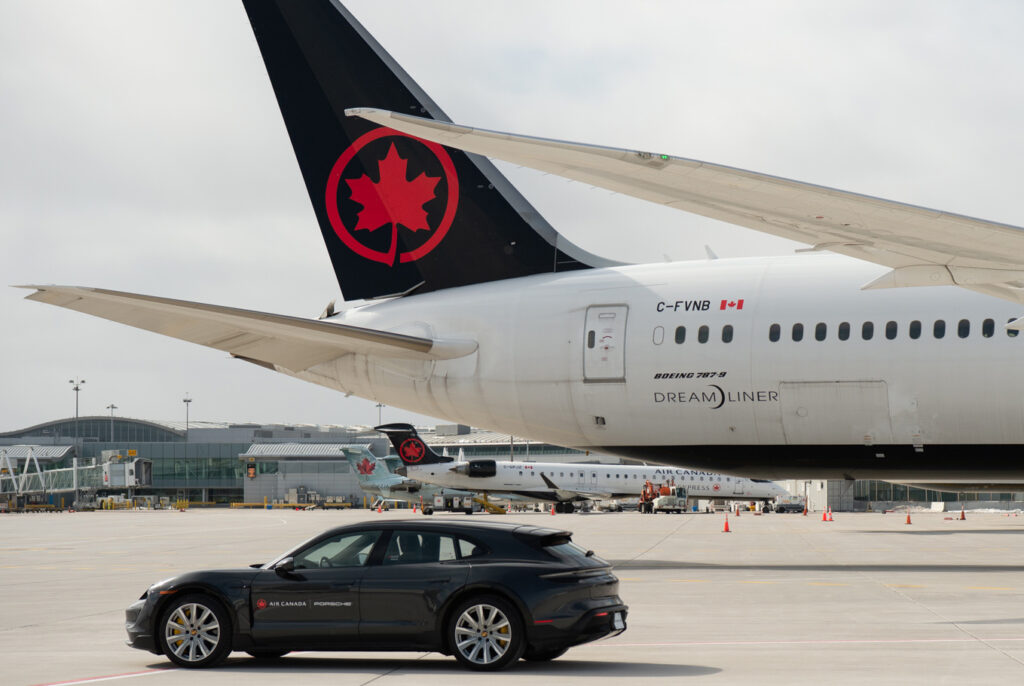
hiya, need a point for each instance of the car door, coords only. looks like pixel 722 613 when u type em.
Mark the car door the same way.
pixel 401 597
pixel 315 603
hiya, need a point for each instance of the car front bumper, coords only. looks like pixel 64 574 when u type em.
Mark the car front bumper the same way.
pixel 138 623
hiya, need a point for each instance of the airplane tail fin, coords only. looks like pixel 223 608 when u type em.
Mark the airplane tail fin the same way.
pixel 368 469
pixel 409 446
pixel 398 214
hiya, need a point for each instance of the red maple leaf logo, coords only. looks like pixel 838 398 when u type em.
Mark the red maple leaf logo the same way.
pixel 393 199
pixel 366 467
pixel 412 450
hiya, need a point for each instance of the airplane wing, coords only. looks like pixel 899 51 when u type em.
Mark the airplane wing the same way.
pixel 293 343
pixel 923 247
pixel 574 493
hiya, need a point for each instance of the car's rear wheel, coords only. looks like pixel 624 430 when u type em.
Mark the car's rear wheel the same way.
pixel 543 655
pixel 486 633
pixel 194 631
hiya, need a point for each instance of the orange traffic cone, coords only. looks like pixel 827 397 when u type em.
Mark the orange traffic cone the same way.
pixel 824 515
pixel 805 510
pixel 830 515
pixel 552 509
pixel 908 516
pixel 725 530
pixel 379 510
pixel 962 517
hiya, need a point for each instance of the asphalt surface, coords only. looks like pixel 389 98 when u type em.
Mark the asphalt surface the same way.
pixel 781 599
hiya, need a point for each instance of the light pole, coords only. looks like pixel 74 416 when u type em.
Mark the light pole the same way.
pixel 188 401
pixel 76 387
pixel 380 408
pixel 111 407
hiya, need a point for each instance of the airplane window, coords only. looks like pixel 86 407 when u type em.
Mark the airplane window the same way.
pixel 890 330
pixel 727 333
pixel 562 474
pixel 939 330
pixel 988 327
pixel 1012 333
pixel 702 334
pixel 820 331
pixel 867 331
pixel 773 332
pixel 915 329
pixel 520 472
pixel 798 332
pixel 680 334
pixel 963 329
pixel 591 339
pixel 659 335
pixel 844 331
pixel 618 476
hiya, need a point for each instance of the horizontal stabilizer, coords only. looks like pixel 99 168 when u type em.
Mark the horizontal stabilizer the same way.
pixel 983 256
pixel 292 343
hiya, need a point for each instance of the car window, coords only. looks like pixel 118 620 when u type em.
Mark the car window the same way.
pixel 470 549
pixel 411 547
pixel 343 550
pixel 566 550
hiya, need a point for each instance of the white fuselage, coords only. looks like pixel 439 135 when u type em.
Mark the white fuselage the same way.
pixel 590 359
pixel 597 480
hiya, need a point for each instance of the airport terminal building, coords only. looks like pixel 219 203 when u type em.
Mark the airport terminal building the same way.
pixel 222 463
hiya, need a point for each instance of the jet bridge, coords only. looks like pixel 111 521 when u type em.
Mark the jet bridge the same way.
pixel 22 474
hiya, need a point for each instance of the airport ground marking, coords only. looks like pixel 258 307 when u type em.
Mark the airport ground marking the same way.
pixel 799 642
pixel 110 677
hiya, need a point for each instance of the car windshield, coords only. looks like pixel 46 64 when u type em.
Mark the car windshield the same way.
pixel 567 550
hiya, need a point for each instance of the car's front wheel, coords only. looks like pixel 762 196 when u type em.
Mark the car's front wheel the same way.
pixel 486 633
pixel 194 631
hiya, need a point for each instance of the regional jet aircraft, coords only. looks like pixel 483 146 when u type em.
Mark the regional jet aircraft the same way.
pixel 562 483
pixel 464 303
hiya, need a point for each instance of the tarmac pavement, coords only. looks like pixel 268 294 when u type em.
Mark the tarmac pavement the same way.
pixel 781 599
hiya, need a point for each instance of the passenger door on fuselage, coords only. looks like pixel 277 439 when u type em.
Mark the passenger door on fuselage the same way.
pixel 316 604
pixel 402 596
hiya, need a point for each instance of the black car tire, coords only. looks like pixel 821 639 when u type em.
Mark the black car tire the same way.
pixel 268 654
pixel 490 615
pixel 205 631
pixel 543 655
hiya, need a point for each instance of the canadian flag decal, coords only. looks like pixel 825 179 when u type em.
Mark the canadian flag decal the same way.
pixel 732 305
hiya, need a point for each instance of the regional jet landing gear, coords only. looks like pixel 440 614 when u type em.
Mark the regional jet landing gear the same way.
pixel 565 508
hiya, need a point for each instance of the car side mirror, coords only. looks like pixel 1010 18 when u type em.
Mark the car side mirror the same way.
pixel 285 566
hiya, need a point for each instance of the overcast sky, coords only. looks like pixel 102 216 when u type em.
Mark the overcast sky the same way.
pixel 141 149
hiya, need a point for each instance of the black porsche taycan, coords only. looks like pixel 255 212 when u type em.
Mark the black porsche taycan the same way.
pixel 488 593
